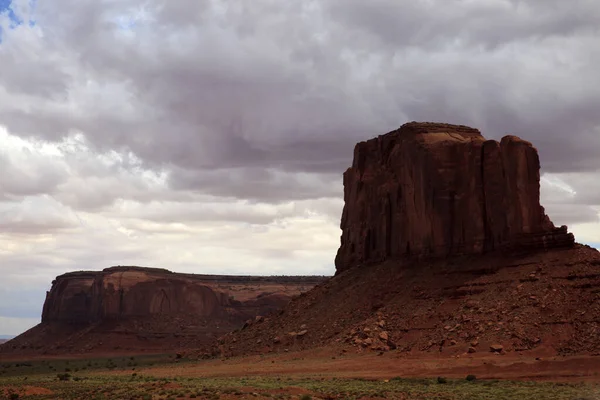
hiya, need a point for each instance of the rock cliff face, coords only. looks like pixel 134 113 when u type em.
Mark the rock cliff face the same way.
pixel 414 197
pixel 134 309
pixel 436 190
pixel 129 292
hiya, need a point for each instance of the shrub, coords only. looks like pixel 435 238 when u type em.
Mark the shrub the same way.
pixel 63 377
pixel 442 380
pixel 471 378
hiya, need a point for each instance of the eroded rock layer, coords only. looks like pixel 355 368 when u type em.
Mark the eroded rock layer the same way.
pixel 436 190
pixel 125 292
pixel 133 308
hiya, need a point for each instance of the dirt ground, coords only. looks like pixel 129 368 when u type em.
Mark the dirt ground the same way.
pixel 322 373
pixel 328 364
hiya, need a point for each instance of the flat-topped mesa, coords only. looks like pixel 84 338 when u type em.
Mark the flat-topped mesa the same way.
pixel 124 292
pixel 437 190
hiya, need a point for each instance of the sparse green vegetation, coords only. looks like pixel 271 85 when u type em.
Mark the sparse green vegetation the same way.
pixel 64 377
pixel 73 366
pixel 118 383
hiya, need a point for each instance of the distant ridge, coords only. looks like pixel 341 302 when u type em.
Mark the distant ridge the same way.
pixel 130 308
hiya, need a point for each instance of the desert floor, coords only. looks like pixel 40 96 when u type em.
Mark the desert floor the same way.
pixel 315 374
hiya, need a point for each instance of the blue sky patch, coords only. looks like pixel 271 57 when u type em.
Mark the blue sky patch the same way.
pixel 15 20
pixel 6 7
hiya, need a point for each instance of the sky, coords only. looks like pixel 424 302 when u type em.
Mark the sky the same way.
pixel 211 136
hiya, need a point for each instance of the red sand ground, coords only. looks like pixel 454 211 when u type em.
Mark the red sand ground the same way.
pixel 323 363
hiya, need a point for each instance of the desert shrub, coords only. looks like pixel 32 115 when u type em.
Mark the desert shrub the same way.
pixel 471 378
pixel 63 377
pixel 442 380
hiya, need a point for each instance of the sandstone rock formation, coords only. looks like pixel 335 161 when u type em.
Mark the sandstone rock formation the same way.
pixel 435 190
pixel 414 197
pixel 84 310
pixel 126 292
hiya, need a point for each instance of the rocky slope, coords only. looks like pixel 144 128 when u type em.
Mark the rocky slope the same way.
pixel 445 249
pixel 123 308
pixel 547 302
pixel 430 189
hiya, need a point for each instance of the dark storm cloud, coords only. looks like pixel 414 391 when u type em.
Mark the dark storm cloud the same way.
pixel 258 184
pixel 206 90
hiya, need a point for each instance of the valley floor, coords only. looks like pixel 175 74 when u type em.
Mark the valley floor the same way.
pixel 314 374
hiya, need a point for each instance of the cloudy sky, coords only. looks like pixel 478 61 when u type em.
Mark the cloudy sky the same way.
pixel 210 136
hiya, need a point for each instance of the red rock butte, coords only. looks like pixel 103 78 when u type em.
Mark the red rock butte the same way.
pixel 128 308
pixel 437 190
pixel 127 292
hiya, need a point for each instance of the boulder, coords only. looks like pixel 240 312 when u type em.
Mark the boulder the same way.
pixel 496 348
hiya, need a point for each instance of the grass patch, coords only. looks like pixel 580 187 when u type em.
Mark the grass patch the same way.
pixel 42 367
